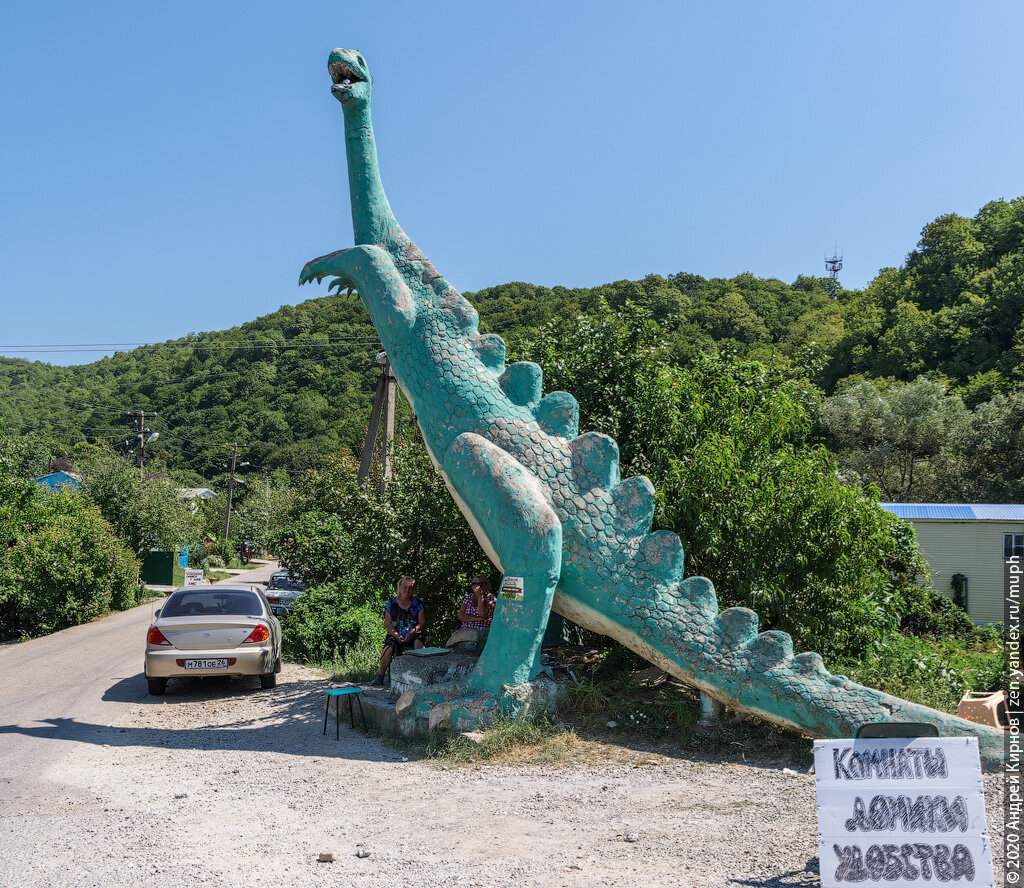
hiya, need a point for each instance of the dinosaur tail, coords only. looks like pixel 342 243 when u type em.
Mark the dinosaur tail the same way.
pixel 680 629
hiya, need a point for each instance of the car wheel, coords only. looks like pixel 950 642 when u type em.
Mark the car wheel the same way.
pixel 268 681
pixel 157 686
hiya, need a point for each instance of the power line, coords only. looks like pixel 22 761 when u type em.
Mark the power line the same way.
pixel 203 345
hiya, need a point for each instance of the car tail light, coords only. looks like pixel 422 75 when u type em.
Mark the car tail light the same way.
pixel 156 636
pixel 260 633
pixel 273 599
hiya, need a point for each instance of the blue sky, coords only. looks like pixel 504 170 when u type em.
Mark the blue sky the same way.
pixel 167 168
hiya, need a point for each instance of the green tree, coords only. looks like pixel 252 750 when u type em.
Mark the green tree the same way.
pixel 897 435
pixel 145 513
pixel 263 511
pixel 993 450
pixel 360 540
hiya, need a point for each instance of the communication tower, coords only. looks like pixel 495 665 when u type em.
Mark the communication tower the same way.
pixel 834 265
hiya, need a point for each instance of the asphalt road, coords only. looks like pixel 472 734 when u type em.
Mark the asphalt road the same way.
pixel 51 687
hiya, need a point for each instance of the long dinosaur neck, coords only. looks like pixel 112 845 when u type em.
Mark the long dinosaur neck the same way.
pixel 372 219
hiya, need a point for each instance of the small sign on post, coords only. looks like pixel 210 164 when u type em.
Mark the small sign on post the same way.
pixel 511 589
pixel 902 812
pixel 193 576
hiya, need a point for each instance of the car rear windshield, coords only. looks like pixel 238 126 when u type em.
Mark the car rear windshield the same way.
pixel 193 604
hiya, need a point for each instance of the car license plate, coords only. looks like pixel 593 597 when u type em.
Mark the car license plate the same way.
pixel 206 664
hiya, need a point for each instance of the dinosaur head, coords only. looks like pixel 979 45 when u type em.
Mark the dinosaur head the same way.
pixel 350 76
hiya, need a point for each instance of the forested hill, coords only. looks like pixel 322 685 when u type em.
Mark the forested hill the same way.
pixel 297 383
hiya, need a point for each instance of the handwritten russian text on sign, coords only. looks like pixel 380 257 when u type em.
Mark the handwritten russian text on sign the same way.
pixel 511 589
pixel 193 576
pixel 901 812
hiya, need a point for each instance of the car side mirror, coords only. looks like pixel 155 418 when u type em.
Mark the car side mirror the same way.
pixel 157 612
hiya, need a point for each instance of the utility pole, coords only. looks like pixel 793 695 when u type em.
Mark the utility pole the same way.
pixel 389 424
pixel 140 440
pixel 383 402
pixel 231 487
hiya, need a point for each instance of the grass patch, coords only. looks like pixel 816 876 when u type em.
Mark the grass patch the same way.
pixel 509 742
pixel 178 578
pixel 621 699
pixel 359 662
pixel 935 672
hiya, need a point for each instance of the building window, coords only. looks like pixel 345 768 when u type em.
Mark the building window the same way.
pixel 1013 545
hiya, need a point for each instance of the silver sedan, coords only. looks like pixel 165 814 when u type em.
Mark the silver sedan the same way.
pixel 213 630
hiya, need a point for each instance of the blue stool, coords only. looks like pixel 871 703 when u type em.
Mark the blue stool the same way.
pixel 338 693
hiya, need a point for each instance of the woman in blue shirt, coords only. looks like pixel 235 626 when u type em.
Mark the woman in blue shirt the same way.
pixel 406 623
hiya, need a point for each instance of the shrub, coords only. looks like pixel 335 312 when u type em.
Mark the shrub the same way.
pixel 222 549
pixel 63 566
pixel 362 540
pixel 930 613
pixel 934 672
pixel 324 625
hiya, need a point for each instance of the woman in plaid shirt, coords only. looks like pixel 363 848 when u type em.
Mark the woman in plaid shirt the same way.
pixel 478 606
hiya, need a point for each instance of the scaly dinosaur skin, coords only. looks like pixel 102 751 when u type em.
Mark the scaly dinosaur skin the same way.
pixel 548 505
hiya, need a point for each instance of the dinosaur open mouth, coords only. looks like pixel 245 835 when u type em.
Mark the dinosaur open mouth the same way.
pixel 344 75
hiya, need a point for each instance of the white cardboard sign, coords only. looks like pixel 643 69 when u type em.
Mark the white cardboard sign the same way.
pixel 902 812
pixel 193 576
pixel 511 589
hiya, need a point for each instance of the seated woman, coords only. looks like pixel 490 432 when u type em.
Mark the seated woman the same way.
pixel 478 605
pixel 406 623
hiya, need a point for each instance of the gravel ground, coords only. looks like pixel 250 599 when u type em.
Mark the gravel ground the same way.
pixel 220 783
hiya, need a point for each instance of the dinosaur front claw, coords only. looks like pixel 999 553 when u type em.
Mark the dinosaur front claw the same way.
pixel 314 270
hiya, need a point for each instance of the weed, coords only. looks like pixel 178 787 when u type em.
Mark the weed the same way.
pixel 503 742
pixel 933 672
pixel 589 696
pixel 509 740
pixel 359 662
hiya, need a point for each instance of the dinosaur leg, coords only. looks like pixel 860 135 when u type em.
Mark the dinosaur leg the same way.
pixel 515 522
pixel 372 272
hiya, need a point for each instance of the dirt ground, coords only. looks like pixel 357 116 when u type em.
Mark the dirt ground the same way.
pixel 220 783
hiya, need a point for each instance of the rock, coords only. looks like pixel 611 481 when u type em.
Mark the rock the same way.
pixel 467 640
pixel 327 857
pixel 631 837
pixel 405 702
pixel 363 852
pixel 440 717
pixel 612 724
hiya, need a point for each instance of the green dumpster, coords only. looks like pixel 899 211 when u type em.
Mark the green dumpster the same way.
pixel 158 568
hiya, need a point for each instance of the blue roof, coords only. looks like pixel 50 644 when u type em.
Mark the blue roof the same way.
pixel 957 511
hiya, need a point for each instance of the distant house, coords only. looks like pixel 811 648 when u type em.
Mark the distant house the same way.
pixel 57 480
pixel 191 493
pixel 971 542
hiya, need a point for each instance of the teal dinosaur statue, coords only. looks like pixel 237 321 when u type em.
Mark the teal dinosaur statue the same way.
pixel 548 505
